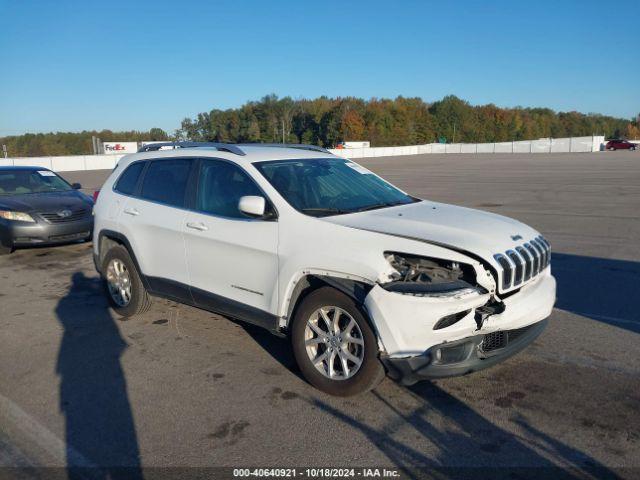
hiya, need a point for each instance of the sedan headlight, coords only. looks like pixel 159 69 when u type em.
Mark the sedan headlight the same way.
pixel 16 216
pixel 422 276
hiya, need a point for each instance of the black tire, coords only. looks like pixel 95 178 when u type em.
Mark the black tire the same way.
pixel 371 371
pixel 140 300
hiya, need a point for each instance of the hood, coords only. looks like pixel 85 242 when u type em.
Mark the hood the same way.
pixel 45 202
pixel 464 229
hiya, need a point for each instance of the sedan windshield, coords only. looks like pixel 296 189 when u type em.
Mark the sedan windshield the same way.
pixel 20 182
pixel 322 187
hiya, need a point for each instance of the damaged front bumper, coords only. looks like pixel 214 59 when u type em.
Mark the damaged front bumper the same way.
pixel 415 347
pixel 464 356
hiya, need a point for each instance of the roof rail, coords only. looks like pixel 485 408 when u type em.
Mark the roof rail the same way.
pixel 299 146
pixel 226 147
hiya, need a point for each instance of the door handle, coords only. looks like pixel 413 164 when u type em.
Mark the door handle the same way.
pixel 197 226
pixel 132 211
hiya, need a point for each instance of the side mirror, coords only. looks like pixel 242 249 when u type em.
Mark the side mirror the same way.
pixel 252 205
pixel 76 186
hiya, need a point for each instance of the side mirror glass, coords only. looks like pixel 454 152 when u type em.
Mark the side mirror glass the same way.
pixel 252 205
pixel 76 186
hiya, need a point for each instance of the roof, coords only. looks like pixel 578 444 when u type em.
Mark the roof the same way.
pixel 236 148
pixel 25 168
pixel 252 153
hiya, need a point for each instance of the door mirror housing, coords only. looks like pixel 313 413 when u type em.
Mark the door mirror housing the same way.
pixel 253 206
pixel 76 186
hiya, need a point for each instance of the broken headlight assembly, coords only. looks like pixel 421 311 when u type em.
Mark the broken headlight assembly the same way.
pixel 430 277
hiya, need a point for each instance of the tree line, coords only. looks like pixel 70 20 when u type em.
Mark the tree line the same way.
pixel 72 143
pixel 327 121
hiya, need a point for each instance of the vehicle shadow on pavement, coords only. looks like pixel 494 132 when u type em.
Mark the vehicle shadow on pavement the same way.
pixel 278 348
pixel 467 444
pixel 598 288
pixel 99 423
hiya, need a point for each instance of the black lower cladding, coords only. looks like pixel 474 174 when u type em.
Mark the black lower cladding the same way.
pixel 211 302
pixel 453 359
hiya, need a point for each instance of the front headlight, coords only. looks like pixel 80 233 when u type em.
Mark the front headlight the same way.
pixel 422 276
pixel 16 216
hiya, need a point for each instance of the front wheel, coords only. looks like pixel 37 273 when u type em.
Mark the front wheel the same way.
pixel 124 286
pixel 334 345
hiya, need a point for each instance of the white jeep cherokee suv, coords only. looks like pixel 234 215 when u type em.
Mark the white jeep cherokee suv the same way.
pixel 361 276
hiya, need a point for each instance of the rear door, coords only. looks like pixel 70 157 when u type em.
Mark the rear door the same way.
pixel 152 221
pixel 232 259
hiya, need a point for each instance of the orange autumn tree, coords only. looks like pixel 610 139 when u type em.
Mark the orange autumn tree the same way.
pixel 352 126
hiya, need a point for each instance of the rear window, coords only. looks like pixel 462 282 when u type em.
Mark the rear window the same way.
pixel 166 181
pixel 129 179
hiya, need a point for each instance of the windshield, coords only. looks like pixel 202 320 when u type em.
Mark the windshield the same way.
pixel 322 187
pixel 20 182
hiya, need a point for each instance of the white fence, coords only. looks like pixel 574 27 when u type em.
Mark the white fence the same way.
pixel 574 144
pixel 545 145
pixel 66 163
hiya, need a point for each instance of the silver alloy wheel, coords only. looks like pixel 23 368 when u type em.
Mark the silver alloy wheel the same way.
pixel 334 343
pixel 119 282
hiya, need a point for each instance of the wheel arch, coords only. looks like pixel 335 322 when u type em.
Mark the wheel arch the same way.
pixel 355 288
pixel 108 239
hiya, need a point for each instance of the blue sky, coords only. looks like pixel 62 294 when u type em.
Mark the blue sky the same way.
pixel 68 66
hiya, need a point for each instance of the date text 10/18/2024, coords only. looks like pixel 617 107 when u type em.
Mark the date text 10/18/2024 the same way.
pixel 317 472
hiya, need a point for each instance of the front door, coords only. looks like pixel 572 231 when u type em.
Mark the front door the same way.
pixel 232 259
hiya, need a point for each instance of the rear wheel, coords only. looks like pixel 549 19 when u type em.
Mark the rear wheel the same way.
pixel 334 345
pixel 124 286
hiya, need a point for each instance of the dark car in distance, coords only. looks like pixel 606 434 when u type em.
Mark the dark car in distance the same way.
pixel 37 207
pixel 620 145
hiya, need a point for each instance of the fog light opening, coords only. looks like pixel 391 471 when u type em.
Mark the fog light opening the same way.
pixel 449 320
pixel 453 354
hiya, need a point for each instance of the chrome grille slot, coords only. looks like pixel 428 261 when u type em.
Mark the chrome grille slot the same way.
pixel 519 264
pixel 541 250
pixel 507 272
pixel 528 262
pixel 523 263
pixel 547 249
pixel 537 259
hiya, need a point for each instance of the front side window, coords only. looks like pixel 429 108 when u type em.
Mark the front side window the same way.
pixel 322 187
pixel 129 179
pixel 19 182
pixel 220 187
pixel 166 181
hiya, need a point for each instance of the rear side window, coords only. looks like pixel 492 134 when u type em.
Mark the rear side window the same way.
pixel 166 181
pixel 220 187
pixel 129 179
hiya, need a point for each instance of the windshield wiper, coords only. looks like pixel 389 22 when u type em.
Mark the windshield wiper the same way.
pixel 322 210
pixel 374 206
